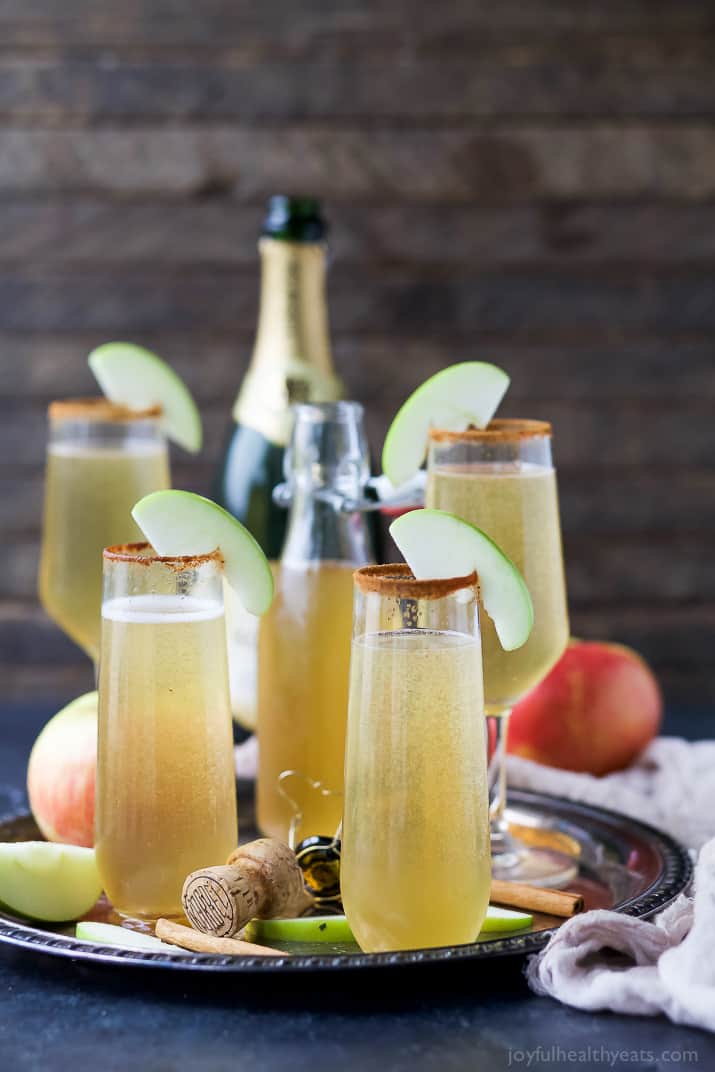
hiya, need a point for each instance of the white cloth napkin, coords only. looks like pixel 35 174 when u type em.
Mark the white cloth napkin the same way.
pixel 603 960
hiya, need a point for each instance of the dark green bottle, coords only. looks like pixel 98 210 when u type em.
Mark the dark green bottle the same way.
pixel 291 362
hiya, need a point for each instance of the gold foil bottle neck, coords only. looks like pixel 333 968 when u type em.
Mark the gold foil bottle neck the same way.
pixel 291 361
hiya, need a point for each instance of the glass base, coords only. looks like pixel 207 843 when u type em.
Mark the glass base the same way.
pixel 536 867
pixel 144 924
pixel 514 861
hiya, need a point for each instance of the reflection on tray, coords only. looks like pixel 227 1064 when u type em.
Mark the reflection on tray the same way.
pixel 547 839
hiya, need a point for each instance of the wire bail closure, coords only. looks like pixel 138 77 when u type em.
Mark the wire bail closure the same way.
pixel 385 496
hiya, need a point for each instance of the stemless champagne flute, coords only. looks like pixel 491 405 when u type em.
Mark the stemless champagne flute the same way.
pixel 502 479
pixel 166 796
pixel 101 458
pixel 415 867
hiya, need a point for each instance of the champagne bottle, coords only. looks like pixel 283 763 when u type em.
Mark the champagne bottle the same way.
pixel 291 362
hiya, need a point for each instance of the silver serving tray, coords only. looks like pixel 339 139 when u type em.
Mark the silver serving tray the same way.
pixel 624 865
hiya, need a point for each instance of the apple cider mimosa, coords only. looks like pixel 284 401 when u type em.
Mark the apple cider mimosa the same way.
pixel 101 458
pixel 415 865
pixel 501 479
pixel 166 800
pixel 516 504
pixel 422 688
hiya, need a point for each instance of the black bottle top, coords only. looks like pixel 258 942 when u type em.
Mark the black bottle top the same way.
pixel 294 219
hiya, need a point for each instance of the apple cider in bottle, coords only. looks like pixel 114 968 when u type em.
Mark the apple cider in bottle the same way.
pixel 304 642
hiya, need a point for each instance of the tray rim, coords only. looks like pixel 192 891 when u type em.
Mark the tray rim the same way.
pixel 674 879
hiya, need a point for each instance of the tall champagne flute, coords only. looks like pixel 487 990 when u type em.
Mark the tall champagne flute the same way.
pixel 166 794
pixel 415 847
pixel 101 458
pixel 502 479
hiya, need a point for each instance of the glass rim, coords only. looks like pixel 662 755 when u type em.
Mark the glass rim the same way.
pixel 324 412
pixel 100 410
pixel 397 579
pixel 500 430
pixel 131 552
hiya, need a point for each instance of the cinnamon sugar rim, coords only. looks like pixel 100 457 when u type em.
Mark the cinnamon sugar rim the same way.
pixel 132 552
pixel 98 409
pixel 397 579
pixel 502 430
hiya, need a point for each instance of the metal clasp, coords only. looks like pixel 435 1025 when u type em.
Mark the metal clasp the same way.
pixel 408 496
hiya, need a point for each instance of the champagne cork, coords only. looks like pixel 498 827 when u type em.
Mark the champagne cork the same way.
pixel 261 880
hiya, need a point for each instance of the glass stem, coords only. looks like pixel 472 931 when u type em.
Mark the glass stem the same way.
pixel 497 779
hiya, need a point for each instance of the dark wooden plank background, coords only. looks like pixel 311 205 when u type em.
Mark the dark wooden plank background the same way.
pixel 527 182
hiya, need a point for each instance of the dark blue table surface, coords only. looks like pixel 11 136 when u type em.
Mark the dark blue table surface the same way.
pixel 53 1018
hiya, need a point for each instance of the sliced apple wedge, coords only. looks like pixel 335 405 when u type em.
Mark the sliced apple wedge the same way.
pixel 337 929
pixel 181 523
pixel 436 544
pixel 110 934
pixel 300 929
pixel 46 881
pixel 505 919
pixel 463 394
pixel 132 376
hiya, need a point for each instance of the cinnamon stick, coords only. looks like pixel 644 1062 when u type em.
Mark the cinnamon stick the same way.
pixel 536 898
pixel 186 938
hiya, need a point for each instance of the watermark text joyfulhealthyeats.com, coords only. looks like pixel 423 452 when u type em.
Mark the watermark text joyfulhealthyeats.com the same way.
pixel 562 1055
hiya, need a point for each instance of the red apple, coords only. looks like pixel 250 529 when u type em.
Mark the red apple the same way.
pixel 595 711
pixel 61 773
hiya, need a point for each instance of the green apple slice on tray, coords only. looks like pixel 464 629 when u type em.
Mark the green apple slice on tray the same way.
pixel 336 929
pixel 132 376
pixel 46 881
pixel 436 545
pixel 500 920
pixel 182 523
pixel 111 934
pixel 463 394
pixel 300 929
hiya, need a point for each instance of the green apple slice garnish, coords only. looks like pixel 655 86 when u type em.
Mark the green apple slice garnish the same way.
pixel 436 545
pixel 131 376
pixel 300 929
pixel 182 523
pixel 454 398
pixel 47 881
pixel 110 934
pixel 505 919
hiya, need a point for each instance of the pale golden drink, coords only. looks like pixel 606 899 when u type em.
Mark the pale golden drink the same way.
pixel 304 665
pixel 415 867
pixel 502 480
pixel 304 639
pixel 517 505
pixel 166 802
pixel 100 461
